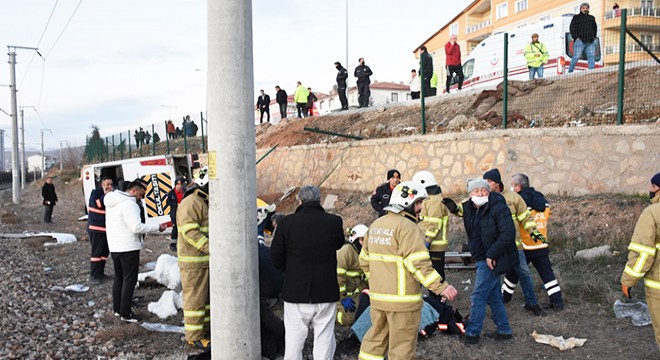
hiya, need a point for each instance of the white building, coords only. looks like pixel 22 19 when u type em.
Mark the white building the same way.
pixel 34 162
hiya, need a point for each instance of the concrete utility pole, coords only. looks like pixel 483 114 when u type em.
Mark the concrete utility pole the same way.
pixel 23 163
pixel 2 150
pixel 43 157
pixel 232 207
pixel 15 177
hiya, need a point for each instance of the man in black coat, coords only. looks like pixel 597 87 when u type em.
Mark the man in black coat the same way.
pixel 263 104
pixel 426 70
pixel 342 75
pixel 304 248
pixel 50 199
pixel 281 98
pixel 380 198
pixel 583 31
pixel 492 238
pixel 362 73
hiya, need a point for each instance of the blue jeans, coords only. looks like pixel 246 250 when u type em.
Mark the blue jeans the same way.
pixel 588 49
pixel 536 70
pixel 526 280
pixel 487 291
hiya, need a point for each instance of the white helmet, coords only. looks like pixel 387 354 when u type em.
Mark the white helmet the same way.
pixel 202 177
pixel 425 178
pixel 356 232
pixel 404 195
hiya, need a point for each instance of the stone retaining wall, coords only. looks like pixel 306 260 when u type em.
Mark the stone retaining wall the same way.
pixel 567 161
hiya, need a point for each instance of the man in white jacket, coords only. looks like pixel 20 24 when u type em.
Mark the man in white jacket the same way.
pixel 124 227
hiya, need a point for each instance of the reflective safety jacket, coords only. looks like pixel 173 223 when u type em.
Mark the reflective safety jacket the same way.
pixel 541 219
pixel 350 276
pixel 96 209
pixel 642 257
pixel 520 213
pixel 398 264
pixel 433 221
pixel 531 52
pixel 192 220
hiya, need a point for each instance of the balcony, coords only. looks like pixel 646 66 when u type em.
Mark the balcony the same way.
pixel 634 52
pixel 478 31
pixel 637 19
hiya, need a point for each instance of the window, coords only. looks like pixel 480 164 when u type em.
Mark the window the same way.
pixel 646 39
pixel 521 5
pixel 647 4
pixel 453 29
pixel 502 11
pixel 468 68
pixel 395 97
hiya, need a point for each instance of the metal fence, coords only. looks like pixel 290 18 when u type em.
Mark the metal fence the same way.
pixel 615 87
pixel 167 137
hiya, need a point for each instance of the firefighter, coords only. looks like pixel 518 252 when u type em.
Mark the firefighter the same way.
pixel 433 220
pixel 350 276
pixel 380 198
pixel 521 216
pixel 536 252
pixel 642 257
pixel 193 256
pixel 96 231
pixel 397 263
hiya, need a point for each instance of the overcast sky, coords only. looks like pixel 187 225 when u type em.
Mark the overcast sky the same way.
pixel 118 62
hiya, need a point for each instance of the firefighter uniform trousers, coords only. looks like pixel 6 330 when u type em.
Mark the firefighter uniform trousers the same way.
pixel 100 253
pixel 193 256
pixel 398 328
pixel 433 221
pixel 351 280
pixel 196 303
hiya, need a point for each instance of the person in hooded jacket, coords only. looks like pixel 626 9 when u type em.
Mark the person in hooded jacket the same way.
pixel 124 229
pixel 380 198
pixel 492 239
pixel 362 73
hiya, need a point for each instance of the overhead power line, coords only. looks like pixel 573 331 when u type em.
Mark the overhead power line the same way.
pixel 39 43
pixel 64 29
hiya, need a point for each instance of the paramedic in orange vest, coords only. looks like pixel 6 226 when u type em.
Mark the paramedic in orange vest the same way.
pixel 536 251
pixel 643 256
pixel 397 265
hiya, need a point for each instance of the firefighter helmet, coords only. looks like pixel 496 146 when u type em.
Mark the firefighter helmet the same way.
pixel 405 195
pixel 263 209
pixel 202 177
pixel 425 178
pixel 356 232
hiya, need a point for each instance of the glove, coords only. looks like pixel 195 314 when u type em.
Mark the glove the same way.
pixel 348 304
pixel 451 205
pixel 626 290
pixel 537 236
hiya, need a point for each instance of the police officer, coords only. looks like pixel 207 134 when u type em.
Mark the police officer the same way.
pixel 380 198
pixel 362 73
pixel 342 75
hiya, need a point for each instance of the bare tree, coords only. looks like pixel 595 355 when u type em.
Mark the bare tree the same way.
pixel 72 157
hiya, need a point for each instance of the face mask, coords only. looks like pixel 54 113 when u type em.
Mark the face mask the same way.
pixel 652 194
pixel 480 200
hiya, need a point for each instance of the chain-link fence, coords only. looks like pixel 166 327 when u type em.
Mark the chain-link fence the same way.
pixel 583 81
pixel 167 137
